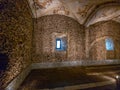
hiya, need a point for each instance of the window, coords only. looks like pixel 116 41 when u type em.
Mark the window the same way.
pixel 109 44
pixel 61 44
pixel 58 43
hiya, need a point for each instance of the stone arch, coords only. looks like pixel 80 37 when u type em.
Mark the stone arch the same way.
pixel 103 12
pixel 97 35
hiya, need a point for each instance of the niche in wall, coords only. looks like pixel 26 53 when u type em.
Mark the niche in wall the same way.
pixel 52 27
pixel 104 41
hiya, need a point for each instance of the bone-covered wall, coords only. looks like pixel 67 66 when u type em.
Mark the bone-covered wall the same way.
pixel 47 29
pixel 82 43
pixel 97 35
pixel 17 43
pixel 16 28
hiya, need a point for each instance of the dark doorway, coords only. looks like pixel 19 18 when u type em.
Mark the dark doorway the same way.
pixel 3 61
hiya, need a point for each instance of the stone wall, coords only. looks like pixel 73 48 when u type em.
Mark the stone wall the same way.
pixel 47 29
pixel 16 26
pixel 97 34
pixel 15 37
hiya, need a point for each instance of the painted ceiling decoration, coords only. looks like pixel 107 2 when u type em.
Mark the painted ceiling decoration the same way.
pixel 86 12
pixel 41 4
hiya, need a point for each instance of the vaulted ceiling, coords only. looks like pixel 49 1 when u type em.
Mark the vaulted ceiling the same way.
pixel 86 12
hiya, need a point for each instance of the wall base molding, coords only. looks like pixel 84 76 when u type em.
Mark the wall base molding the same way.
pixel 20 78
pixel 74 63
pixel 15 83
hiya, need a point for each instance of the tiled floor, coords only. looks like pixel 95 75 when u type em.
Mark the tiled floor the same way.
pixel 60 77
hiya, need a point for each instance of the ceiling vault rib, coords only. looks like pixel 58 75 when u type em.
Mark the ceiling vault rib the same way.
pixel 35 9
pixel 116 16
pixel 29 8
pixel 96 9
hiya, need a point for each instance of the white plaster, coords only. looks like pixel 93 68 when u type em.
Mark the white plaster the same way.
pixel 79 10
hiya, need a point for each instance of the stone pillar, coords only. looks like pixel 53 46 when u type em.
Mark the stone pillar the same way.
pixel 87 43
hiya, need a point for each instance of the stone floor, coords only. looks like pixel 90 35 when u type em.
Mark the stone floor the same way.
pixel 67 76
pixel 107 87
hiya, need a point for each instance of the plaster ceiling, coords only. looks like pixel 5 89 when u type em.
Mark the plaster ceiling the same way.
pixel 86 12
